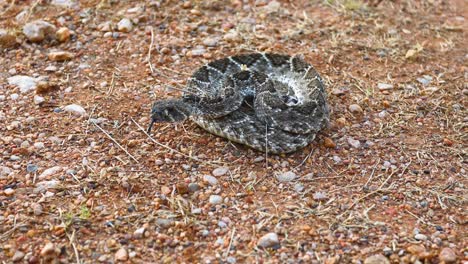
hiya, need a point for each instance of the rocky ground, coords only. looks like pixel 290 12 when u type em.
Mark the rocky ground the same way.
pixel 80 180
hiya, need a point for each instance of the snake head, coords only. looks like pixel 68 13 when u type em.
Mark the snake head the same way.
pixel 168 111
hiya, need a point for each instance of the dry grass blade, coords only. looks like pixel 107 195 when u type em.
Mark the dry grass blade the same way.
pixel 117 143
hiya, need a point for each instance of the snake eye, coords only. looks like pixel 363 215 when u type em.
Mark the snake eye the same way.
pixel 289 100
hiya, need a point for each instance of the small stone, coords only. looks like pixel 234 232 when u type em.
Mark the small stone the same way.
pixel 269 240
pixel 356 109
pixel 376 259
pixel 416 250
pixel 17 256
pixel 447 255
pixel 328 143
pixel 49 172
pixel 48 250
pixel 38 99
pixel 50 68
pixel 197 51
pixel 425 80
pixel 210 42
pixel 63 34
pixel 231 260
pixel 60 55
pixel 384 86
pixel 320 196
pixel 139 233
pixel 37 209
pixel 286 176
pixel 420 237
pixel 121 255
pixel 105 26
pixel 31 168
pixel 7 39
pixel 65 3
pixel 42 186
pixel 215 199
pixel 182 188
pixel 210 179
pixel 193 187
pixel 164 223
pixel 125 25
pixel 38 30
pixel 220 171
pixel 75 109
pixel 39 145
pixel 447 142
pixel 9 191
pixel 298 187
pixel 25 83
pixel 353 142
pixel 340 91
pixel 231 36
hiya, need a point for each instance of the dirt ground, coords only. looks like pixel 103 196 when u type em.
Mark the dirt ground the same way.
pixel 80 180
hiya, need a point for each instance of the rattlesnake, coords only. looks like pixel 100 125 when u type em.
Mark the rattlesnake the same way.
pixel 270 102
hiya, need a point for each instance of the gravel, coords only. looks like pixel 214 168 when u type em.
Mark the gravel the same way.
pixel 286 176
pixel 269 240
pixel 215 199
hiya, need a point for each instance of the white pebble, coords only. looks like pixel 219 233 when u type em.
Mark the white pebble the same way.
pixel 49 172
pixel 286 176
pixel 215 199
pixel 125 25
pixel 384 86
pixel 353 142
pixel 269 240
pixel 75 109
pixel 39 145
pixel 220 171
pixel 38 99
pixel 25 83
pixel 210 179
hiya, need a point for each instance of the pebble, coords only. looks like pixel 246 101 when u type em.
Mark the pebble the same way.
pixel 320 196
pixel 105 26
pixel 197 51
pixel 384 86
pixel 447 255
pixel 38 99
pixel 14 96
pixel 286 176
pixel 60 55
pixel 193 187
pixel 50 68
pixel 44 185
pixel 182 188
pixel 220 171
pixel 210 42
pixel 49 172
pixel 9 191
pixel 340 91
pixel 215 199
pixel 17 256
pixel 416 250
pixel 63 34
pixel 39 145
pixel 164 223
pixel 75 109
pixel 48 250
pixel 328 143
pixel 37 209
pixel 420 237
pixel 65 3
pixel 7 39
pixel 376 259
pixel 298 187
pixel 139 233
pixel 231 36
pixel 269 240
pixel 425 80
pixel 353 142
pixel 38 30
pixel 25 83
pixel 125 25
pixel 210 179
pixel 354 108
pixel 231 260
pixel 121 255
